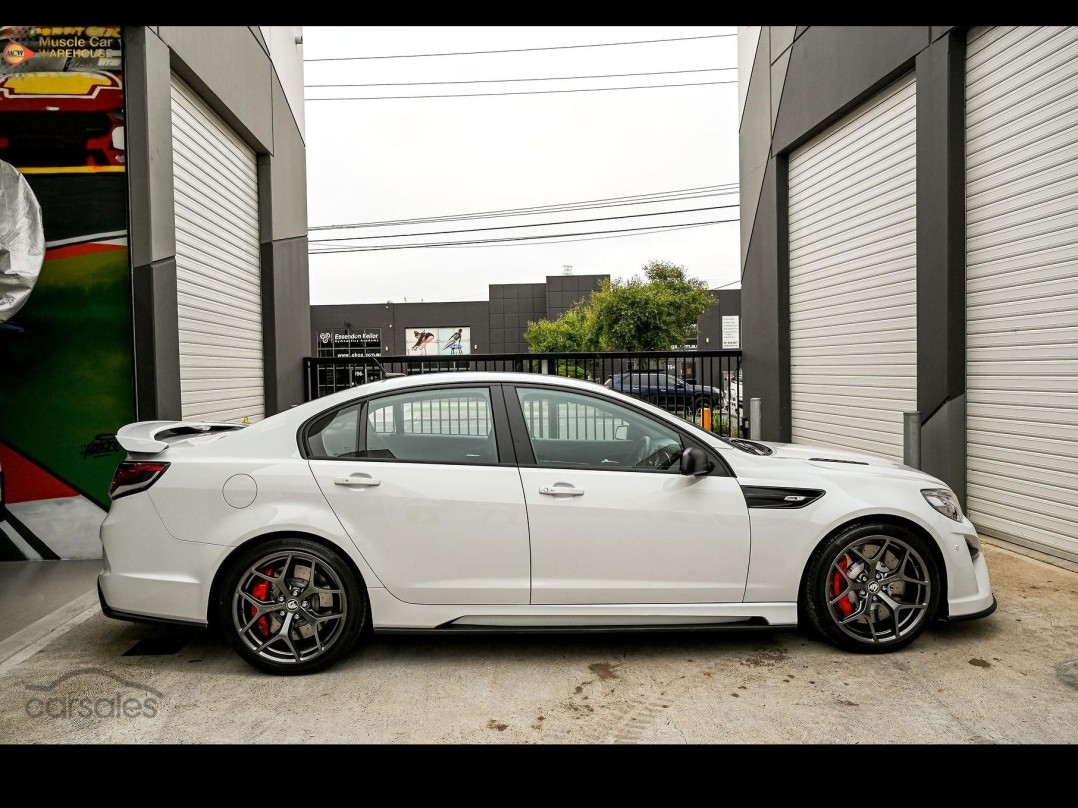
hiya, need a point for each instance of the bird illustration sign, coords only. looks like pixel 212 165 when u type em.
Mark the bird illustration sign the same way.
pixel 446 341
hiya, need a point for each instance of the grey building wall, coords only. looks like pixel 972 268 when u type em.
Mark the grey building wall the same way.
pixel 497 325
pixel 395 319
pixel 562 291
pixel 231 69
pixel 802 79
pixel 512 307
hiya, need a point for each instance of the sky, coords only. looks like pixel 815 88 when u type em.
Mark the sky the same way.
pixel 376 161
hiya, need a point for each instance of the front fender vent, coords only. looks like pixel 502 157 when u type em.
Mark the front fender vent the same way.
pixel 758 496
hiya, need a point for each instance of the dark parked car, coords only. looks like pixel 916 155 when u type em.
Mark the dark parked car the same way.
pixel 666 390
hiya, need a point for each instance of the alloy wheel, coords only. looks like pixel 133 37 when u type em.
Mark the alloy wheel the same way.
pixel 879 590
pixel 289 607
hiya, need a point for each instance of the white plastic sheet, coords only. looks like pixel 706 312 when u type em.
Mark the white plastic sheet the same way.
pixel 22 241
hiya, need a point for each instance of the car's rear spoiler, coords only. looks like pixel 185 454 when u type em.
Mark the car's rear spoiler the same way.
pixel 144 436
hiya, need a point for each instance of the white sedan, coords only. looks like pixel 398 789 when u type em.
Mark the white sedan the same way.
pixel 517 502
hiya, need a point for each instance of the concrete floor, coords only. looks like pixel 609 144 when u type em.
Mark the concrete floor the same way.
pixel 29 590
pixel 1012 678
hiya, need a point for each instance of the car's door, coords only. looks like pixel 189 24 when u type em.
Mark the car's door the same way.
pixel 425 483
pixel 612 520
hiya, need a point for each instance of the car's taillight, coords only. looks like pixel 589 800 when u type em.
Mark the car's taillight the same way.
pixel 133 476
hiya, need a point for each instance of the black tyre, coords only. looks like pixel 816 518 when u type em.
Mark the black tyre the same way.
pixel 292 606
pixel 872 588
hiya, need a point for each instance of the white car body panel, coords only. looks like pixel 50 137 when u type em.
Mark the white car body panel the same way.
pixel 636 537
pixel 438 533
pixel 398 616
pixel 164 546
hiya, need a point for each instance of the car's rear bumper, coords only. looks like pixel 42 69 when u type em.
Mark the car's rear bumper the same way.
pixel 115 614
pixel 148 574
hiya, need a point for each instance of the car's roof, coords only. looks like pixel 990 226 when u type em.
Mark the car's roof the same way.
pixel 480 376
pixel 456 377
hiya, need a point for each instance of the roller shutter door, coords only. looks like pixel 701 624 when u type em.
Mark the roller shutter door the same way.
pixel 853 265
pixel 1022 285
pixel 217 264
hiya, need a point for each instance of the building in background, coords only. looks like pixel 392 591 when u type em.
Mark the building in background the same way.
pixel 909 214
pixel 169 164
pixel 493 326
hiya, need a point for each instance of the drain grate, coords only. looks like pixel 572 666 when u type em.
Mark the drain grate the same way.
pixel 156 646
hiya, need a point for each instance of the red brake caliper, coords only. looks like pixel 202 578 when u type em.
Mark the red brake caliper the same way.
pixel 838 584
pixel 259 592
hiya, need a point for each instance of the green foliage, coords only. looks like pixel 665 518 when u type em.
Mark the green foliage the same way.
pixel 650 314
pixel 570 332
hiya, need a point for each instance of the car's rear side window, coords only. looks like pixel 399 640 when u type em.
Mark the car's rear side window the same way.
pixel 335 435
pixel 453 425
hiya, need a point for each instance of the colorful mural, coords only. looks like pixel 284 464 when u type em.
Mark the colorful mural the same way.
pixel 66 355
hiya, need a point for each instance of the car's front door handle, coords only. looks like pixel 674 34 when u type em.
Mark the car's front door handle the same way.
pixel 561 491
pixel 357 482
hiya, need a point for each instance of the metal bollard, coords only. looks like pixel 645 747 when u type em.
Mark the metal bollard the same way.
pixel 911 439
pixel 755 409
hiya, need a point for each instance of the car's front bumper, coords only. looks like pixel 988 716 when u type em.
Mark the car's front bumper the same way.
pixel 969 589
pixel 977 615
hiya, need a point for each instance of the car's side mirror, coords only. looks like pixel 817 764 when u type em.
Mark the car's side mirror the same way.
pixel 694 462
pixel 621 432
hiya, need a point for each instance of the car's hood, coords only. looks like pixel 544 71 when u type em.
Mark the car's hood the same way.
pixel 833 459
pixel 801 451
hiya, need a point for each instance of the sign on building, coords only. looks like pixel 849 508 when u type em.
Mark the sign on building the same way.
pixel 731 333
pixel 439 341
pixel 366 342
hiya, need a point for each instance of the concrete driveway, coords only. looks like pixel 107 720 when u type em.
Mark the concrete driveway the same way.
pixel 1012 678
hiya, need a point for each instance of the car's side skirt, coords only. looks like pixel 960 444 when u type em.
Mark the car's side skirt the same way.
pixel 390 614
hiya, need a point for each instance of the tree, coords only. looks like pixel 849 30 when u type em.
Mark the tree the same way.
pixel 651 314
pixel 570 332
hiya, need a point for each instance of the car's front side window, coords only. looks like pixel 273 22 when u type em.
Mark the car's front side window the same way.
pixel 432 426
pixel 580 431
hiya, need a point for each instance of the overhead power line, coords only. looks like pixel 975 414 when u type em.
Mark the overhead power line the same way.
pixel 516 50
pixel 517 226
pixel 645 232
pixel 523 92
pixel 544 78
pixel 373 248
pixel 567 209
pixel 678 195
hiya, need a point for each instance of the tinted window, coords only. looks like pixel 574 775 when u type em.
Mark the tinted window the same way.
pixel 335 434
pixel 570 429
pixel 433 426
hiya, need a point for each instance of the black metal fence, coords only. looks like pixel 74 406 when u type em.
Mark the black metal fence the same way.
pixel 701 386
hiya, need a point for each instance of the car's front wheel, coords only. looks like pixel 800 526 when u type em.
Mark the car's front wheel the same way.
pixel 291 606
pixel 872 588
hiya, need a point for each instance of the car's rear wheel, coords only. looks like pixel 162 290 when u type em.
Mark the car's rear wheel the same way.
pixel 872 588
pixel 292 606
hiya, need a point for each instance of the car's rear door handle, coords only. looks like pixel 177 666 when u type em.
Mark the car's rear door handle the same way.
pixel 561 490
pixel 357 482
